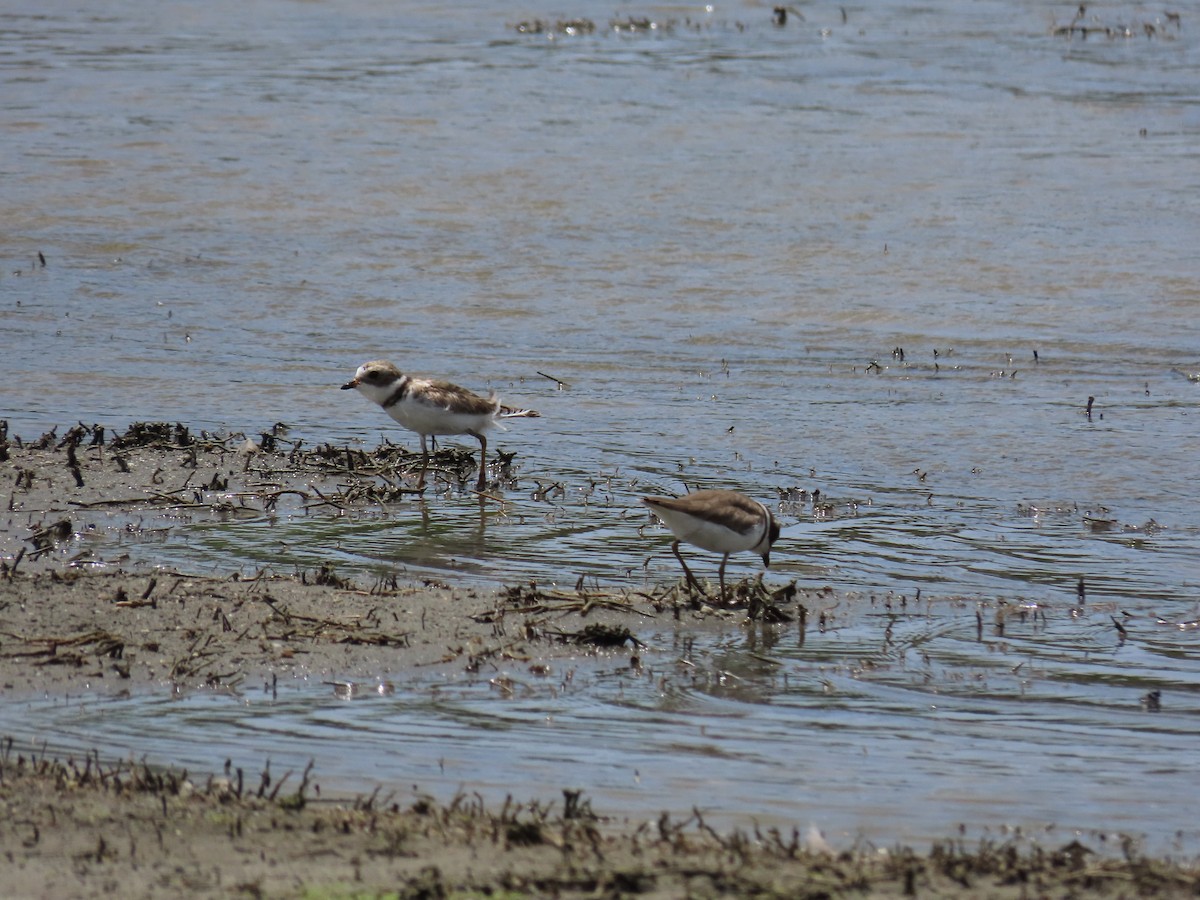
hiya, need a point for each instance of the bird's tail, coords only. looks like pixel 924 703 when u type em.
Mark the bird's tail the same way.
pixel 510 412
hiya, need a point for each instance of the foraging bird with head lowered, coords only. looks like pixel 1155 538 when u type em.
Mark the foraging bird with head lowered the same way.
pixel 721 521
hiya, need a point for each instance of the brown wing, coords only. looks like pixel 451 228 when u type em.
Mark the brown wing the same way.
pixel 444 395
pixel 729 508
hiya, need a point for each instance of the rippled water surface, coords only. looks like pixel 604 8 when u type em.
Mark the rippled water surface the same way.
pixel 718 234
pixel 893 720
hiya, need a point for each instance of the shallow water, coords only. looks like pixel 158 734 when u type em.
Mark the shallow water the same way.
pixel 894 720
pixel 710 231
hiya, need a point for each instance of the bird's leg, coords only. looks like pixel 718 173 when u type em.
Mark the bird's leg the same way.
pixel 424 464
pixel 688 572
pixel 721 575
pixel 482 459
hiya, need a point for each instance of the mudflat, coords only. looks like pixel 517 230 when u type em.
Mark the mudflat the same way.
pixel 91 827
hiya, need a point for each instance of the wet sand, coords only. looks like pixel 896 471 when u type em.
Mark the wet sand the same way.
pixel 88 828
pixel 99 827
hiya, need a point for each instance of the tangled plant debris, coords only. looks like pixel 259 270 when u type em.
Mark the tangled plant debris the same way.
pixel 72 490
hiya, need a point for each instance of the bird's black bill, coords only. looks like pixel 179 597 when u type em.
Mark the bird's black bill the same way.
pixel 349 385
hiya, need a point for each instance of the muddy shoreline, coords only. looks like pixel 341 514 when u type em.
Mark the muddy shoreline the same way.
pixel 73 610
pixel 94 828
pixel 124 631
pixel 75 617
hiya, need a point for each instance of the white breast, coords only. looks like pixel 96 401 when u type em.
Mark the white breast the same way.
pixel 708 535
pixel 425 419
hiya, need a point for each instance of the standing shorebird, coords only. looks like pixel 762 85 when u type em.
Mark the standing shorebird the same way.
pixel 722 521
pixel 433 408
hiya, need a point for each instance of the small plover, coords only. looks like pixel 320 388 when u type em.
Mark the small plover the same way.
pixel 433 407
pixel 721 521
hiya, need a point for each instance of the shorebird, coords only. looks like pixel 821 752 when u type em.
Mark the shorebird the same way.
pixel 721 521
pixel 433 407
